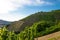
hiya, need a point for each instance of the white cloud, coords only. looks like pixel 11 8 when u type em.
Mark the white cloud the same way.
pixel 10 5
pixel 6 6
pixel 30 2
pixel 12 17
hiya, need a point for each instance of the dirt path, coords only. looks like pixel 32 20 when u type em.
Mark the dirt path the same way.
pixel 53 35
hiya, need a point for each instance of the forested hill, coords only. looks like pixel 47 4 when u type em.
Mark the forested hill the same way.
pixel 3 23
pixel 51 16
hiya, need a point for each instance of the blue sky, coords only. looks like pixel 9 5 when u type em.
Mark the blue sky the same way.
pixel 14 10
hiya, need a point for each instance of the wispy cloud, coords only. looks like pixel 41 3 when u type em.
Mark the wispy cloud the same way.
pixel 6 6
pixel 9 5
pixel 12 17
pixel 30 2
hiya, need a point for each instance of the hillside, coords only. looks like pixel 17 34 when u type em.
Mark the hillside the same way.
pixel 37 25
pixel 53 36
pixel 53 16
